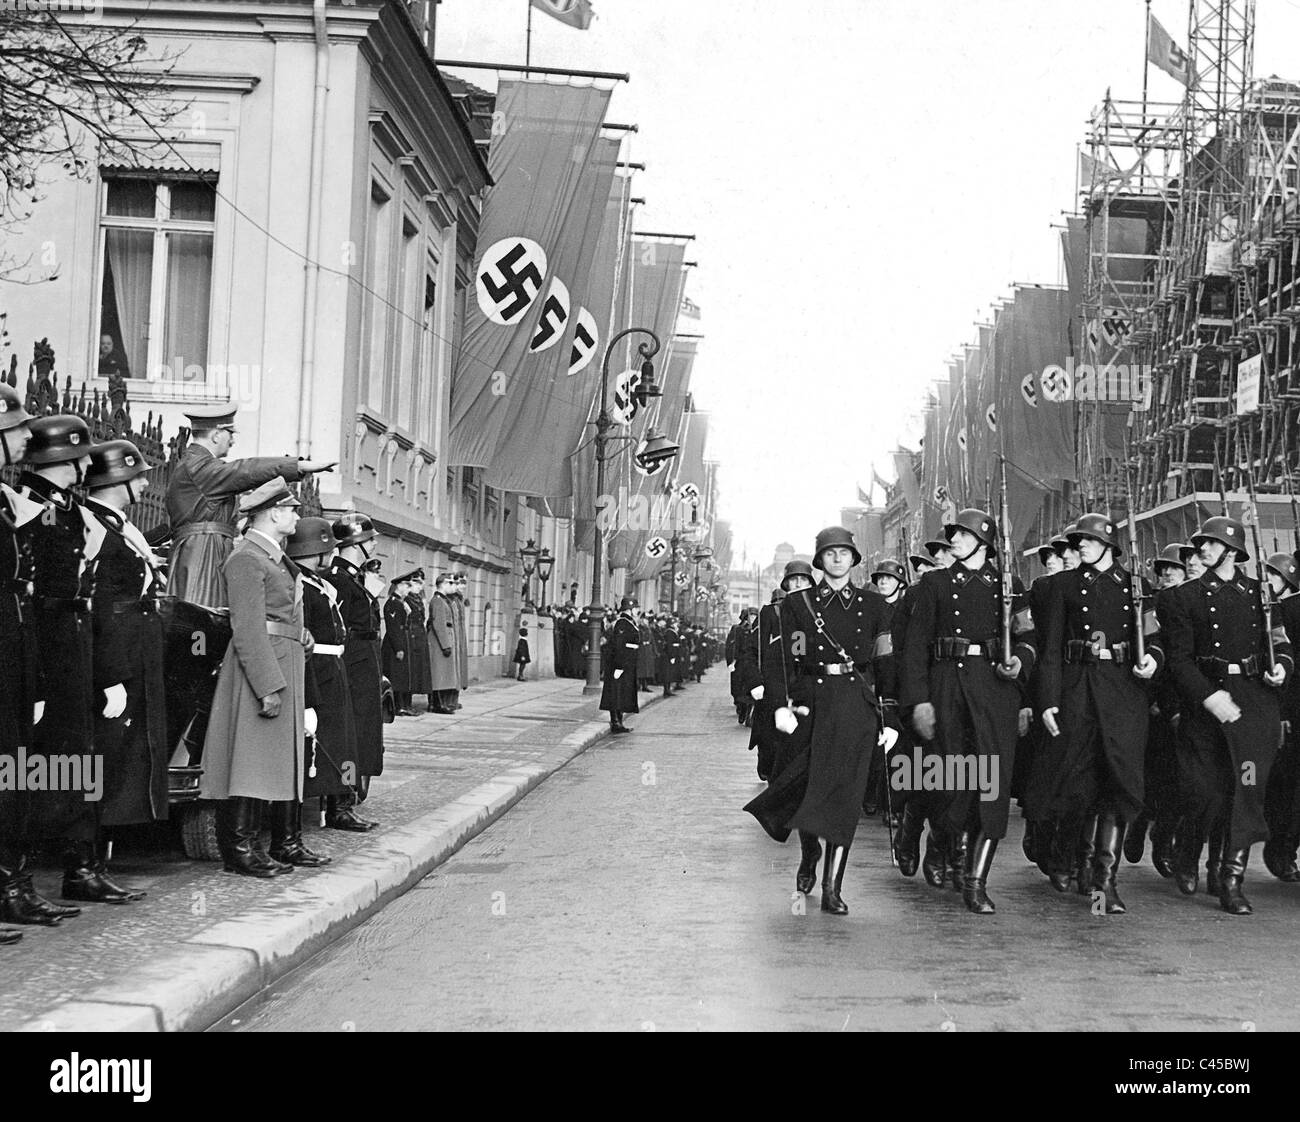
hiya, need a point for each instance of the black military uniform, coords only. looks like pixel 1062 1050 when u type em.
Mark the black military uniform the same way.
pixel 1216 644
pixel 879 795
pixel 361 662
pixel 1280 800
pixel 669 653
pixel 948 663
pixel 761 668
pixel 396 647
pixel 1086 680
pixel 419 668
pixel 619 693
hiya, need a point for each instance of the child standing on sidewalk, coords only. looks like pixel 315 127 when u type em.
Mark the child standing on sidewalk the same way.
pixel 522 657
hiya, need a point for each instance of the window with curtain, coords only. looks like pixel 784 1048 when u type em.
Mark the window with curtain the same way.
pixel 156 295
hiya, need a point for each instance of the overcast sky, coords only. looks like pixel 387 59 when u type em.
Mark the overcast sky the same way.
pixel 865 178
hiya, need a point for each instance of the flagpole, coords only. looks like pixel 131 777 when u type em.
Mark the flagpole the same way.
pixel 528 43
pixel 1146 70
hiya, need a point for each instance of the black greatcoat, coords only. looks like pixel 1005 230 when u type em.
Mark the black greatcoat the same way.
pixel 417 645
pixel 1224 768
pixel 845 724
pixel 759 663
pixel 397 644
pixel 19 690
pixel 619 694
pixel 1030 784
pixel 360 613
pixel 62 585
pixel 669 653
pixel 1098 762
pixel 976 712
pixel 328 692
pixel 128 649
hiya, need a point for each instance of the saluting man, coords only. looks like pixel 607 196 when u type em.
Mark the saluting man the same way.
pixel 1094 703
pixel 354 536
pixel 253 752
pixel 619 693
pixel 1217 649
pixel 964 697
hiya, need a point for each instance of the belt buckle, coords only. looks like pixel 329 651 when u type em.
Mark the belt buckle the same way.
pixel 1106 654
pixel 975 650
pixel 1234 668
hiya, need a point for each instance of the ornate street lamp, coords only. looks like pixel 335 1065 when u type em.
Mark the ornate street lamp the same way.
pixel 657 449
pixel 528 555
pixel 544 564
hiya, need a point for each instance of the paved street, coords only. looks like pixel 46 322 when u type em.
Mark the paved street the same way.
pixel 629 892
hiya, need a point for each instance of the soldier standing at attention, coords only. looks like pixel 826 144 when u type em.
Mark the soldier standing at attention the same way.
pixel 396 645
pixel 963 697
pixel 202 499
pixel 253 753
pixel 442 651
pixel 619 693
pixel 1218 649
pixel 1280 799
pixel 417 637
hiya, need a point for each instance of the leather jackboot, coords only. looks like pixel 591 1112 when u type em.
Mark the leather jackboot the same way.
pixel 238 825
pixel 957 860
pixel 1232 874
pixel 811 851
pixel 907 840
pixel 287 845
pixel 979 860
pixel 15 904
pixel 1110 843
pixel 1084 855
pixel 101 867
pixel 934 865
pixel 83 881
pixel 340 814
pixel 1135 838
pixel 1187 858
pixel 1214 859
pixel 832 877
pixel 1162 847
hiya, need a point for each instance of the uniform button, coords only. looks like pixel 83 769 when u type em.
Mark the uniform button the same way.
pixel 960 665
pixel 1215 626
pixel 958 630
pixel 1084 592
pixel 956 612
pixel 1218 644
pixel 954 596
pixel 1211 609
pixel 1085 607
pixel 819 681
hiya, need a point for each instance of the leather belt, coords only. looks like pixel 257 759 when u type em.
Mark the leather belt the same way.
pixel 1080 650
pixel 78 604
pixel 1251 666
pixel 195 528
pixel 17 587
pixel 145 605
pixel 333 649
pixel 284 630
pixel 362 634
pixel 954 646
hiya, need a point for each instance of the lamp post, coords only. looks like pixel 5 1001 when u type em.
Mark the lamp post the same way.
pixel 657 448
pixel 545 562
pixel 528 555
pixel 702 554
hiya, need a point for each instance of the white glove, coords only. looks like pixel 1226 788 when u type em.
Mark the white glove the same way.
pixel 1146 668
pixel 888 738
pixel 309 721
pixel 114 701
pixel 786 721
pixel 756 693
pixel 1277 675
pixel 1222 707
pixel 38 711
pixel 617 675
pixel 1049 720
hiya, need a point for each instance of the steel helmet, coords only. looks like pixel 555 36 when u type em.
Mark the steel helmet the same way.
pixel 890 568
pixel 934 545
pixel 12 413
pixel 796 569
pixel 353 529
pixel 919 561
pixel 830 538
pixel 1226 530
pixel 1095 526
pixel 115 461
pixel 1284 564
pixel 58 440
pixel 313 537
pixel 974 521
pixel 1174 554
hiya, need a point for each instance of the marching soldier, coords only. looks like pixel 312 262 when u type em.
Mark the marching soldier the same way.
pixel 202 500
pixel 22 690
pixel 1094 705
pixel 131 728
pixel 1280 798
pixel 734 638
pixel 1218 649
pixel 1161 776
pixel 253 751
pixel 445 677
pixel 418 637
pixel 963 696
pixel 890 580
pixel 63 542
pixel 359 607
pixel 396 646
pixel 619 693
pixel 761 674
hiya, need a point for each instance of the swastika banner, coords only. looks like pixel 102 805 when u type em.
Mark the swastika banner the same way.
pixel 515 410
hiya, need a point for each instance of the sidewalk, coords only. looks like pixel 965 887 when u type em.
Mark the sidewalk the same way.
pixel 203 941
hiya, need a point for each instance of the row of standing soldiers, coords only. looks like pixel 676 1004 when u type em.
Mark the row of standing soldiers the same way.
pixel 426 646
pixel 840 676
pixel 638 654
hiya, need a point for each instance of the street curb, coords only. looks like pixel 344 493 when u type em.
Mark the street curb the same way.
pixel 212 974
